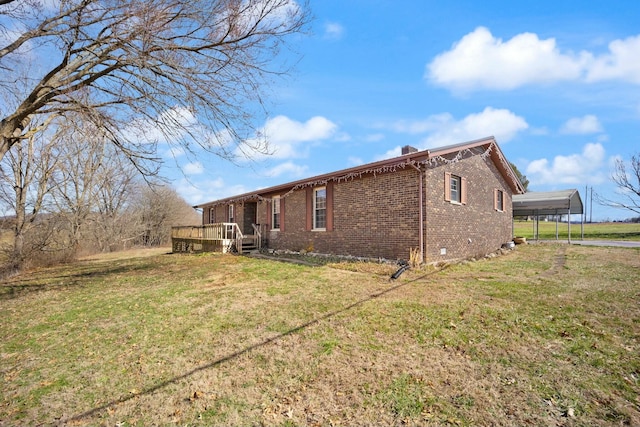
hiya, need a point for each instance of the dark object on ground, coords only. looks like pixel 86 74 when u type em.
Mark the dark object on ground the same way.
pixel 404 265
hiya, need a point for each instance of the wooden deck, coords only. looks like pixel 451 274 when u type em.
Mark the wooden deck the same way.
pixel 220 237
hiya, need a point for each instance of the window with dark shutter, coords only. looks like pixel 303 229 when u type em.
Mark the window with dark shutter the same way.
pixel 275 213
pixel 455 188
pixel 320 208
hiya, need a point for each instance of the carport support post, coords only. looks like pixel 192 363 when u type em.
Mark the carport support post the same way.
pixel 569 223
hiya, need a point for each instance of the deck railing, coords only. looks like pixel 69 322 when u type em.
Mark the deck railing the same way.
pixel 218 231
pixel 258 235
pixel 228 234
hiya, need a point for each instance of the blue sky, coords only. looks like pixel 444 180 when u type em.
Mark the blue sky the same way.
pixel 557 84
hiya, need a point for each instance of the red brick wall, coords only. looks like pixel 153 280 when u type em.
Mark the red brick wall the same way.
pixel 470 230
pixel 378 216
pixel 221 214
pixel 373 216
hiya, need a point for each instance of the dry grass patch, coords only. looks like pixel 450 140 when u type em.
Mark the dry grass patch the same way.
pixel 546 335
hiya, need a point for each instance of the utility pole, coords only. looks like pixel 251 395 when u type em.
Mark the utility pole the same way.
pixel 591 209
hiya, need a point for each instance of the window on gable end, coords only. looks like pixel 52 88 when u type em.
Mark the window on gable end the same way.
pixel 455 184
pixel 498 200
pixel 455 188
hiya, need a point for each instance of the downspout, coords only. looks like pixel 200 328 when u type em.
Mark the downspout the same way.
pixel 421 203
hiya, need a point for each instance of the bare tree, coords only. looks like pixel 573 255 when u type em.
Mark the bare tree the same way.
pixel 193 70
pixel 157 208
pixel 113 221
pixel 24 184
pixel 74 196
pixel 628 182
pixel 91 187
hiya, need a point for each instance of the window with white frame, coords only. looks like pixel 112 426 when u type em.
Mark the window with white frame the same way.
pixel 320 208
pixel 231 217
pixel 275 213
pixel 456 188
pixel 498 200
pixel 212 215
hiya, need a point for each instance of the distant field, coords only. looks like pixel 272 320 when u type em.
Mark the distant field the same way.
pixel 548 334
pixel 592 231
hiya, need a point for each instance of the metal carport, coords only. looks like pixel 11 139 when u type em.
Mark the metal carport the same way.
pixel 543 203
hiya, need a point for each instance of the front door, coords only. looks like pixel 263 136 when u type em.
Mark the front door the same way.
pixel 250 217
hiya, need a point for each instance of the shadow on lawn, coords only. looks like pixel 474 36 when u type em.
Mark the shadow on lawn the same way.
pixel 66 279
pixel 220 361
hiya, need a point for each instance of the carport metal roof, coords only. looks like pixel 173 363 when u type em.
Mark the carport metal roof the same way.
pixel 560 202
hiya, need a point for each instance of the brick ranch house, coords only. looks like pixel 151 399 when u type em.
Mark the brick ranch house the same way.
pixel 446 203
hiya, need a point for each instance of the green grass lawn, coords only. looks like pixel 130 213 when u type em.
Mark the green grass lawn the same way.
pixel 544 335
pixel 592 231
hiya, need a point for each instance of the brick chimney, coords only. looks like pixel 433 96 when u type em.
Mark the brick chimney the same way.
pixel 407 149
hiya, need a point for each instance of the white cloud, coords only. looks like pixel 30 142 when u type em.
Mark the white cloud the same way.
pixel 582 125
pixel 193 168
pixel 355 161
pixel 621 63
pixel 333 31
pixel 393 152
pixel 285 137
pixel 500 123
pixel 443 129
pixel 480 60
pixel 267 16
pixel 207 190
pixel 173 152
pixel 221 139
pixel 542 130
pixel 170 125
pixel 281 136
pixel 289 168
pixel 8 36
pixel 431 123
pixel 575 169
pixel 342 137
pixel 196 193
